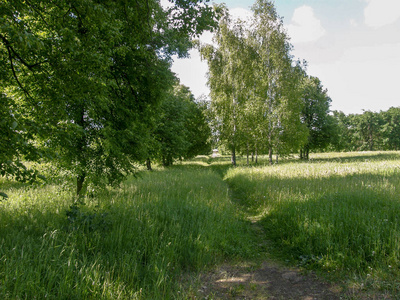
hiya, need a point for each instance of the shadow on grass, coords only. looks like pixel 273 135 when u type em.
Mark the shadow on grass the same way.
pixel 219 165
pixel 364 157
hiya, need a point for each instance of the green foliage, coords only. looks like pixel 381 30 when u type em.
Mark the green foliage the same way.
pixel 254 85
pixel 367 131
pixel 181 130
pixel 87 76
pixel 226 73
pixel 391 128
pixel 315 115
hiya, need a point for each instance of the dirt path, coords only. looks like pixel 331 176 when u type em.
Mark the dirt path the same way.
pixel 267 281
pixel 264 278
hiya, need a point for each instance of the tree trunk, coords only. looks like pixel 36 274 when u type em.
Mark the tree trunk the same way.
pixel 301 153
pixel 247 153
pixel 256 156
pixel 148 164
pixel 252 156
pixel 81 158
pixel 276 158
pixel 233 159
pixel 270 155
pixel 79 183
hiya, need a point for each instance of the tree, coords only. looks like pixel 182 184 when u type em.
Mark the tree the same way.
pixel 369 128
pixel 391 128
pixel 198 129
pixel 181 130
pixel 341 140
pixel 226 69
pixel 13 145
pixel 315 116
pixel 88 75
pixel 275 82
pixel 254 85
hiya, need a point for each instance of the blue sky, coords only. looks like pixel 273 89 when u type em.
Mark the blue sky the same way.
pixel 353 46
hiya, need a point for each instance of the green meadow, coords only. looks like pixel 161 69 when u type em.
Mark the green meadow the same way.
pixel 337 214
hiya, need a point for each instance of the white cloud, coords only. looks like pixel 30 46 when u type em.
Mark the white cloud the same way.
pixel 379 13
pixel 240 13
pixel 305 27
pixel 192 73
pixel 166 4
pixel 365 77
pixel 353 23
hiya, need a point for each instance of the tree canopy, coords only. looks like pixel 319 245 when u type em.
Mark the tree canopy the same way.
pixel 315 116
pixel 254 82
pixel 80 79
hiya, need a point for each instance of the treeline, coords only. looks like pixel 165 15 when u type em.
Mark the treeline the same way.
pixel 87 85
pixel 368 131
pixel 264 102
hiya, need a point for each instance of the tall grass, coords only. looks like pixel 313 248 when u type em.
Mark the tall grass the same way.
pixel 134 242
pixel 338 213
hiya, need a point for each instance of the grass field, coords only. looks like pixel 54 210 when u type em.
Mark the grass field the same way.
pixel 337 214
pixel 134 242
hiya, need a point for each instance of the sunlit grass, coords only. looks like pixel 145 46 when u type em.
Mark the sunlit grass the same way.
pixel 338 213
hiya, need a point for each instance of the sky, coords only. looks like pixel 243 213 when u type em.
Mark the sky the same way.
pixel 352 46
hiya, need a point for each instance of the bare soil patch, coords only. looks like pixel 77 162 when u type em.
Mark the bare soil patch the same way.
pixel 266 281
pixel 266 278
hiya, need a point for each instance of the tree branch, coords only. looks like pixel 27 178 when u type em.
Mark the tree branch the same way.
pixel 38 12
pixel 15 75
pixel 10 48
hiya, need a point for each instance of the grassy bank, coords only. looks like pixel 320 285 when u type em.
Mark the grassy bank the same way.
pixel 338 213
pixel 134 242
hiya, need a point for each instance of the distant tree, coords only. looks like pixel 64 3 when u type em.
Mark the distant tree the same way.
pixel 254 85
pixel 275 82
pixel 181 129
pixel 199 130
pixel 369 126
pixel 315 116
pixel 391 128
pixel 341 140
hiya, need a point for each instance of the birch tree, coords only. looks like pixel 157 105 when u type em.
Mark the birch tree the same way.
pixel 276 82
pixel 225 78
